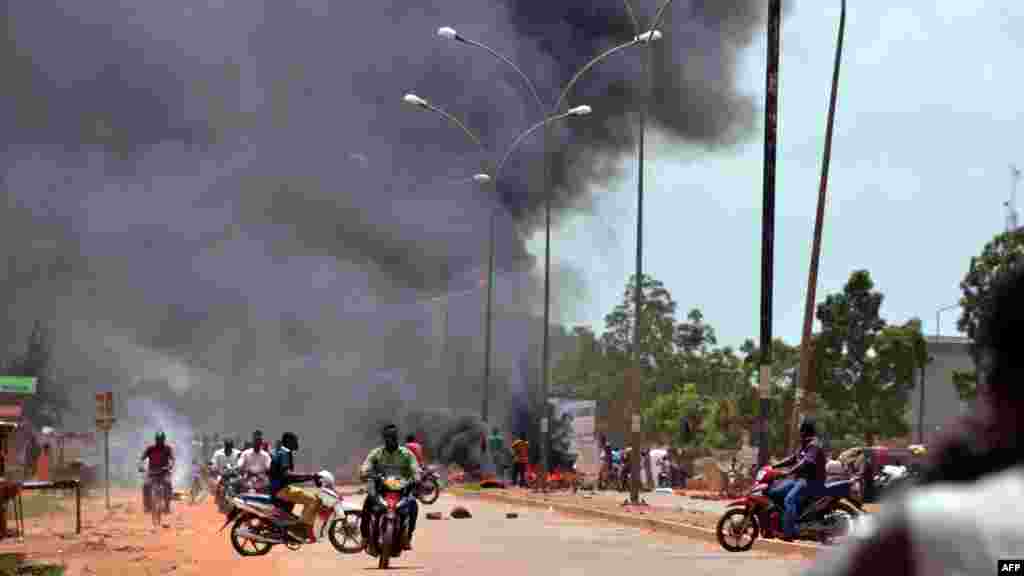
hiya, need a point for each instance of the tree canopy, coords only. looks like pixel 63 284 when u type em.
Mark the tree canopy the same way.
pixel 1001 252
pixel 865 367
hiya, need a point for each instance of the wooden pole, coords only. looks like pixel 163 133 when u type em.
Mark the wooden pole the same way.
pixel 106 463
pixel 805 404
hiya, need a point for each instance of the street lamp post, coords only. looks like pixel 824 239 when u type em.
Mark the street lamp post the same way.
pixel 652 35
pixel 485 178
pixel 924 369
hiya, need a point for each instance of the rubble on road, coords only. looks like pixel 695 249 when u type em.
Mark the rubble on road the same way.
pixel 511 515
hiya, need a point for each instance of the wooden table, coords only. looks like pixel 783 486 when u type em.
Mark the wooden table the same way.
pixel 10 493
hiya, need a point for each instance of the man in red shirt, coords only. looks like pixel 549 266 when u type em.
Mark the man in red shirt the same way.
pixel 415 448
pixel 161 459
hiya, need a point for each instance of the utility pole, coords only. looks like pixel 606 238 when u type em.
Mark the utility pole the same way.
pixel 768 226
pixel 804 392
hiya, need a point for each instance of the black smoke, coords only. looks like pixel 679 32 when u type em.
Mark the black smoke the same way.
pixel 228 199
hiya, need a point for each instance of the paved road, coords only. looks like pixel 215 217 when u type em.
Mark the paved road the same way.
pixel 538 542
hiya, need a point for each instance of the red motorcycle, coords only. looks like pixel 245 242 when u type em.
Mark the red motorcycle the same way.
pixel 827 519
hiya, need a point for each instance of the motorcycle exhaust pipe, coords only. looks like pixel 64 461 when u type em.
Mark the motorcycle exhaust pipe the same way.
pixel 245 533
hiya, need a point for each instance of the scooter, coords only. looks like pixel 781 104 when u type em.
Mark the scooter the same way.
pixel 262 522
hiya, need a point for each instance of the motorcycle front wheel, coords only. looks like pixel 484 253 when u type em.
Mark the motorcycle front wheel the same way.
pixel 245 546
pixel 429 491
pixel 731 526
pixel 387 540
pixel 344 533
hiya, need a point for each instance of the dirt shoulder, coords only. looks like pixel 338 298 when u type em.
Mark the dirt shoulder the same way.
pixel 122 541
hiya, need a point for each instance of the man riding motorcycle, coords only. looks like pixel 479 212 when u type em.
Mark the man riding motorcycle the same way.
pixel 395 460
pixel 283 486
pixel 808 467
pixel 161 458
pixel 255 462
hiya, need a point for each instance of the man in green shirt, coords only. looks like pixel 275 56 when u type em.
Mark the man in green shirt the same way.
pixel 395 460
pixel 496 446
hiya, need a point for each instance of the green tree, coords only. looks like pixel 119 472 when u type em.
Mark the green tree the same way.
pixel 1001 252
pixel 46 407
pixel 865 368
pixel 658 361
pixel 665 412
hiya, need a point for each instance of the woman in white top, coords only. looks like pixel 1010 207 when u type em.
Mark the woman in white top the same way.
pixel 968 511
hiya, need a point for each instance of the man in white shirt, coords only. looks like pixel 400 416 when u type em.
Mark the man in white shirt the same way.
pixel 255 462
pixel 224 458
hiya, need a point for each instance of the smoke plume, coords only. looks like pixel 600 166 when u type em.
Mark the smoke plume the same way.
pixel 226 206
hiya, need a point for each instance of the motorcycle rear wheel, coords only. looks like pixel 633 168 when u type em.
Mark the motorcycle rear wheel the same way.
pixel 733 515
pixel 851 514
pixel 429 491
pixel 344 533
pixel 254 524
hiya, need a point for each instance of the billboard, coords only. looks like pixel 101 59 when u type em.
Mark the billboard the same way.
pixel 583 441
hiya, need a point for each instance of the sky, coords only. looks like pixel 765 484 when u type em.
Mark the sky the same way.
pixel 927 124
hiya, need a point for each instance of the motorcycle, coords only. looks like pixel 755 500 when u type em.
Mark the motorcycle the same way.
pixel 262 522
pixel 389 524
pixel 429 488
pixel 156 493
pixel 826 519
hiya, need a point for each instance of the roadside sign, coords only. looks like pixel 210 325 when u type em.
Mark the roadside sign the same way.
pixel 18 385
pixel 104 410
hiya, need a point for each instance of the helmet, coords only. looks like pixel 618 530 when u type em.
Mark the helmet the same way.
pixel 390 431
pixel 161 437
pixel 807 427
pixel 326 478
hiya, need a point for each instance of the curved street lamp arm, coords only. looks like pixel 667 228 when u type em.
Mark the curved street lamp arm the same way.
pixel 458 123
pixel 499 56
pixel 589 65
pixel 632 16
pixel 661 14
pixel 523 135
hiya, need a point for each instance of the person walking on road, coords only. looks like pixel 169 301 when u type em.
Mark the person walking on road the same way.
pixel 521 448
pixel 413 446
pixel 496 445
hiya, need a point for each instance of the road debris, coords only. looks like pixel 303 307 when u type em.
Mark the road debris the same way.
pixel 460 512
